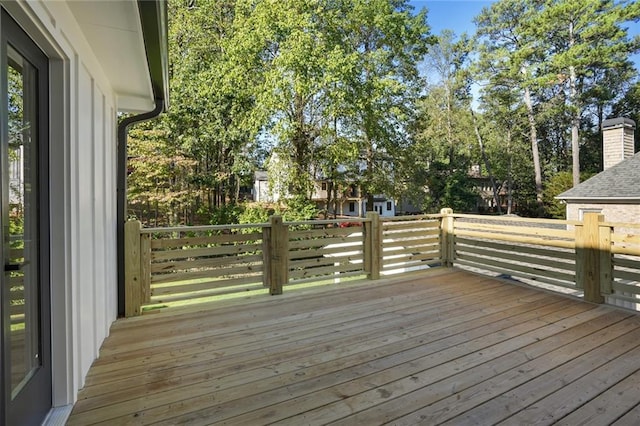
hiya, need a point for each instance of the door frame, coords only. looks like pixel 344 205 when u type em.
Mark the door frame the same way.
pixel 40 387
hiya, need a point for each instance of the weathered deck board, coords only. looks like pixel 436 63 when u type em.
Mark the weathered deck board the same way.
pixel 436 347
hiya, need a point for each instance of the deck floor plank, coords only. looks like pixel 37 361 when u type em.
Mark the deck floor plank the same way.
pixel 167 356
pixel 426 348
pixel 576 396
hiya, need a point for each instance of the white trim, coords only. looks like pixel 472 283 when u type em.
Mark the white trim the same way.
pixel 58 416
pixel 583 210
pixel 612 200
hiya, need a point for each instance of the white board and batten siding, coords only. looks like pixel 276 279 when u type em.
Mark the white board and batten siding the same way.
pixel 83 193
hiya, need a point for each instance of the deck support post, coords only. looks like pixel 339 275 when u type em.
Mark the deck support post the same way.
pixel 276 255
pixel 372 246
pixel 132 276
pixel 447 253
pixel 590 254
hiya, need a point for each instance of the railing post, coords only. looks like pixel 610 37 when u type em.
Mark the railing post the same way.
pixel 606 263
pixel 132 280
pixel 278 256
pixel 447 253
pixel 372 246
pixel 145 268
pixel 589 257
pixel 266 256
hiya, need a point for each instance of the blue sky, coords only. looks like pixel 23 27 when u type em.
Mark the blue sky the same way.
pixel 457 15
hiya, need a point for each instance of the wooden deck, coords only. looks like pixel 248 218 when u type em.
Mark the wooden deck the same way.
pixel 444 347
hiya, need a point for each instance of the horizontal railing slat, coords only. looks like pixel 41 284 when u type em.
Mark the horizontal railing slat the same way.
pixel 513 238
pixel 201 252
pixel 554 252
pixel 322 233
pixel 532 271
pixel 209 273
pixel 324 261
pixel 517 274
pixel 163 267
pixel 328 270
pixel 198 241
pixel 302 244
pixel 212 285
pixel 516 257
pixel 311 253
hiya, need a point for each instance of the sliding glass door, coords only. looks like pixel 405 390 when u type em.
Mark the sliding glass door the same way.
pixel 26 316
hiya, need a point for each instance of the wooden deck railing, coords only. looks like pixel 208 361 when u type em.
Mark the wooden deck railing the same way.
pixel 171 266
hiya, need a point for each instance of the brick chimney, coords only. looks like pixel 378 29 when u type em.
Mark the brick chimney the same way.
pixel 617 140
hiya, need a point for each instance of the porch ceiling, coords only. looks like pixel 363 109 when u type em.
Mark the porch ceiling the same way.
pixel 442 346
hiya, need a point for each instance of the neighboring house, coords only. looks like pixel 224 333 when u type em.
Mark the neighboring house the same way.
pixel 261 187
pixel 614 192
pixel 69 68
pixel 350 202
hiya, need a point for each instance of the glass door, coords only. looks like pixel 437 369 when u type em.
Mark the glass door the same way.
pixel 26 343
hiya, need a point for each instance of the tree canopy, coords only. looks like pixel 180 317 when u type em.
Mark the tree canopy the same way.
pixel 359 93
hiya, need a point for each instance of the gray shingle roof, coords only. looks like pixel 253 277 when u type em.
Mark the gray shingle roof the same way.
pixel 619 182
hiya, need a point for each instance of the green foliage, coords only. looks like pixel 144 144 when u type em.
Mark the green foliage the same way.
pixel 559 183
pixel 255 213
pixel 331 89
pixel 226 214
pixel 447 188
pixel 299 208
pixel 331 77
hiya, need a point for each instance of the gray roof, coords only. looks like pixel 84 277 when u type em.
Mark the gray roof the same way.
pixel 618 183
pixel 618 122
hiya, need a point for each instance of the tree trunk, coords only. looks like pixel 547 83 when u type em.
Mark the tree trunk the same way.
pixel 575 120
pixel 329 193
pixel 509 174
pixel 533 137
pixel 485 160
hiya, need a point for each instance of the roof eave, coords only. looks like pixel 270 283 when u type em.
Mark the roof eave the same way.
pixel 602 200
pixel 153 19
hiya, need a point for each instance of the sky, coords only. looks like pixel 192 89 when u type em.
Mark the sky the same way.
pixel 457 15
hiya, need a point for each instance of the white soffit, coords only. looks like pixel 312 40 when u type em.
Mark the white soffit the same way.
pixel 112 29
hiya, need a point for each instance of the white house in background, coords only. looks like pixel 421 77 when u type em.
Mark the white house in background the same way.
pixel 70 67
pixel 350 201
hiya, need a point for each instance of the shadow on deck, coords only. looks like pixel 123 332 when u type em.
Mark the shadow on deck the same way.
pixel 444 346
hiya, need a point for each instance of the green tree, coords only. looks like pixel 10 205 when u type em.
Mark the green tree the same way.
pixel 338 73
pixel 583 39
pixel 388 42
pixel 210 105
pixel 158 188
pixel 509 56
pixel 444 141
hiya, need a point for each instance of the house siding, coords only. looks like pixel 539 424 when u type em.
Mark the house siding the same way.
pixel 628 213
pixel 83 205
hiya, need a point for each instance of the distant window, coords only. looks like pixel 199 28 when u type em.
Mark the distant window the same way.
pixel 352 207
pixel 588 210
pixel 324 186
pixel 388 206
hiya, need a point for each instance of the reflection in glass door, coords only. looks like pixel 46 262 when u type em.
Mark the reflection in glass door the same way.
pixel 26 346
pixel 21 273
